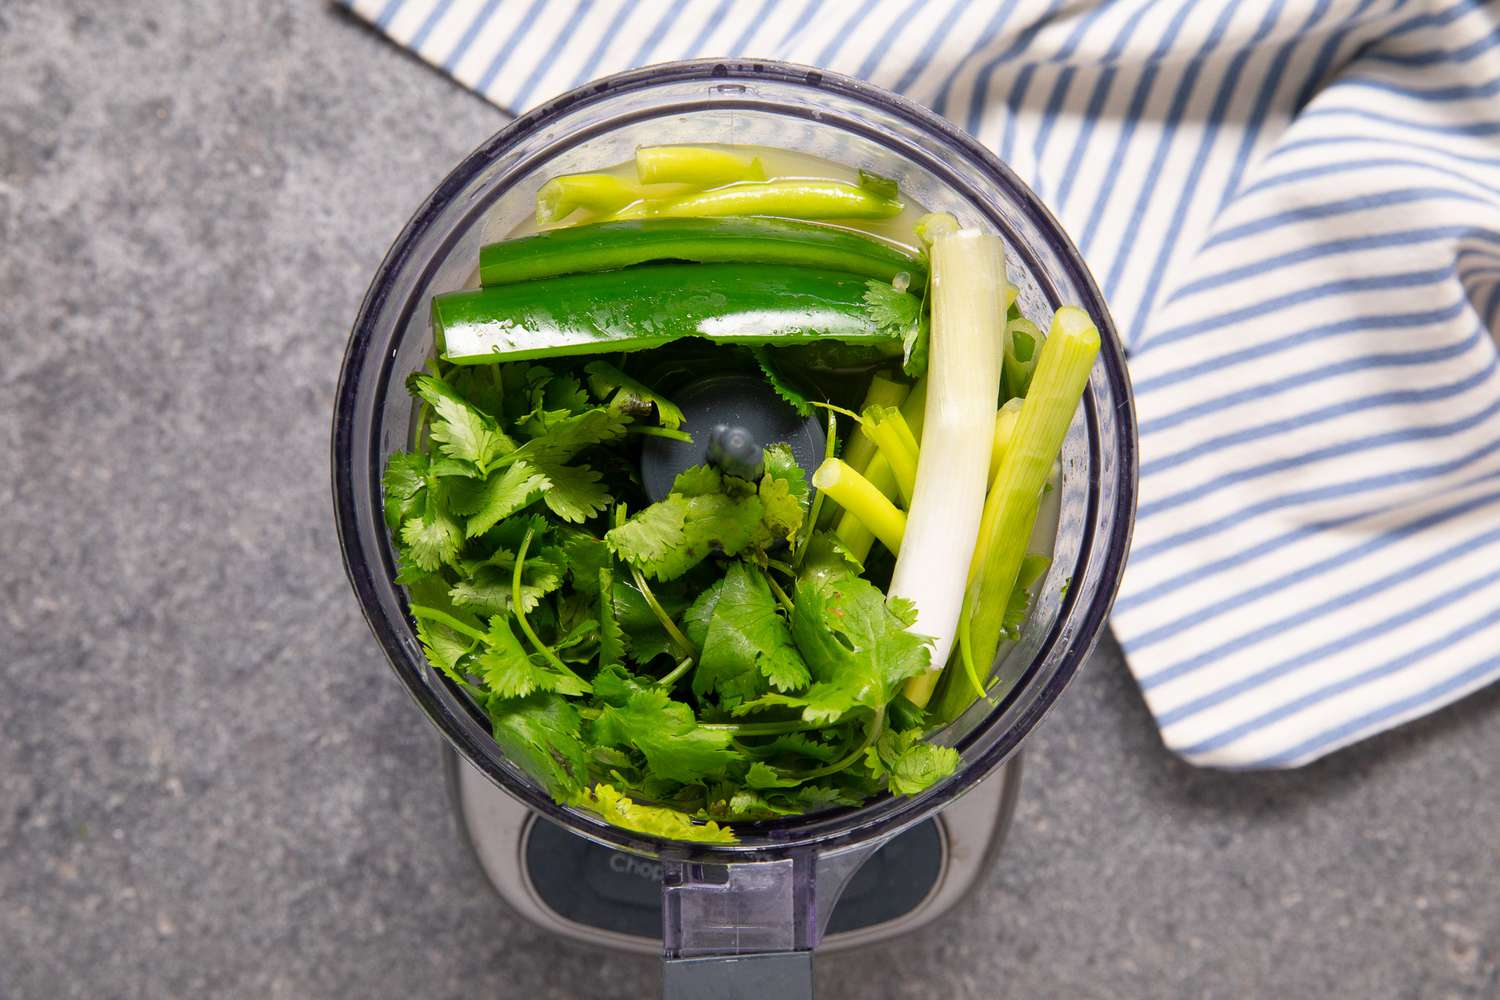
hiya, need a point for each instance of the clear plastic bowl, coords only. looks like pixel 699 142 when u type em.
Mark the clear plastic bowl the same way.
pixel 784 875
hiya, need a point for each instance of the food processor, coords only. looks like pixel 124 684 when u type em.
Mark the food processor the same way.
pixel 739 919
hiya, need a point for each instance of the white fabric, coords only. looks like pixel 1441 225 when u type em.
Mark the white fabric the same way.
pixel 1293 208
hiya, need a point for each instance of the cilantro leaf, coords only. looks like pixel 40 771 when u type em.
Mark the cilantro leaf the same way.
pixel 508 670
pixel 585 556
pixel 783 495
pixel 488 585
pixel 541 734
pixel 855 644
pixel 571 434
pixel 763 776
pixel 900 314
pixel 612 643
pixel 614 685
pixel 747 643
pixel 461 430
pixel 645 637
pixel 789 392
pixel 404 485
pixel 499 496
pixel 432 539
pixel 665 732
pixel 744 804
pixel 698 616
pixel 445 648
pixel 573 492
pixel 908 763
pixel 697 481
pixel 670 537
pixel 800 745
pixel 656 821
pixel 631 397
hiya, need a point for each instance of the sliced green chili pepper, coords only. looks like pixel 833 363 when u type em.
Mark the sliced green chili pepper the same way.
pixel 644 307
pixel 797 198
pixel 600 193
pixel 700 166
pixel 607 245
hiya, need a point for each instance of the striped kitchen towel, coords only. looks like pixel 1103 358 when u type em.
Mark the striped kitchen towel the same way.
pixel 1293 208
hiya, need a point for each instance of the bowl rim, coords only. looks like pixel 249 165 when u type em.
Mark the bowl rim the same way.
pixel 823 831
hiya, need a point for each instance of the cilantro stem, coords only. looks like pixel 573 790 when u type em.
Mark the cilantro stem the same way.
pixel 668 625
pixel 677 672
pixel 423 412
pixel 682 641
pixel 833 408
pixel 442 618
pixel 515 602
pixel 762 728
pixel 781 567
pixel 661 432
pixel 872 733
pixel 786 602
pixel 499 390
pixel 810 524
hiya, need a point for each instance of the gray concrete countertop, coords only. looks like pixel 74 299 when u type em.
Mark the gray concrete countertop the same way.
pixel 210 783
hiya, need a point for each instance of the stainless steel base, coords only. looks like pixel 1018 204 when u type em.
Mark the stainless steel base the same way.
pixel 498 828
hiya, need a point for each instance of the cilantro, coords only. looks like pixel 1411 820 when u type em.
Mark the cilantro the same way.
pixel 783 387
pixel 644 635
pixel 908 763
pixel 672 536
pixel 699 615
pixel 612 643
pixel 900 314
pixel 432 539
pixel 856 645
pixel 561 440
pixel 541 734
pixel 652 820
pixel 445 648
pixel 510 672
pixel 514 470
pixel 487 585
pixel 747 643
pixel 499 496
pixel 573 493
pixel 631 397
pixel 405 485
pixel 666 734
pixel 783 496
pixel 461 431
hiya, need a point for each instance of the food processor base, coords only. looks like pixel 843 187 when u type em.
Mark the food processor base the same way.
pixel 601 896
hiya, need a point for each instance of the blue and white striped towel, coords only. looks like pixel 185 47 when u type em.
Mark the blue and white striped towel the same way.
pixel 1294 209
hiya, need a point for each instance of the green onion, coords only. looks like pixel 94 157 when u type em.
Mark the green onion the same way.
pixel 797 198
pixel 700 166
pixel 885 427
pixel 1062 373
pixel 967 288
pixel 882 392
pixel 1023 341
pixel 1005 426
pixel 854 535
pixel 858 497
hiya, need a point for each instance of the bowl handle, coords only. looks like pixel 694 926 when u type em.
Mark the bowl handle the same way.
pixel 748 929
